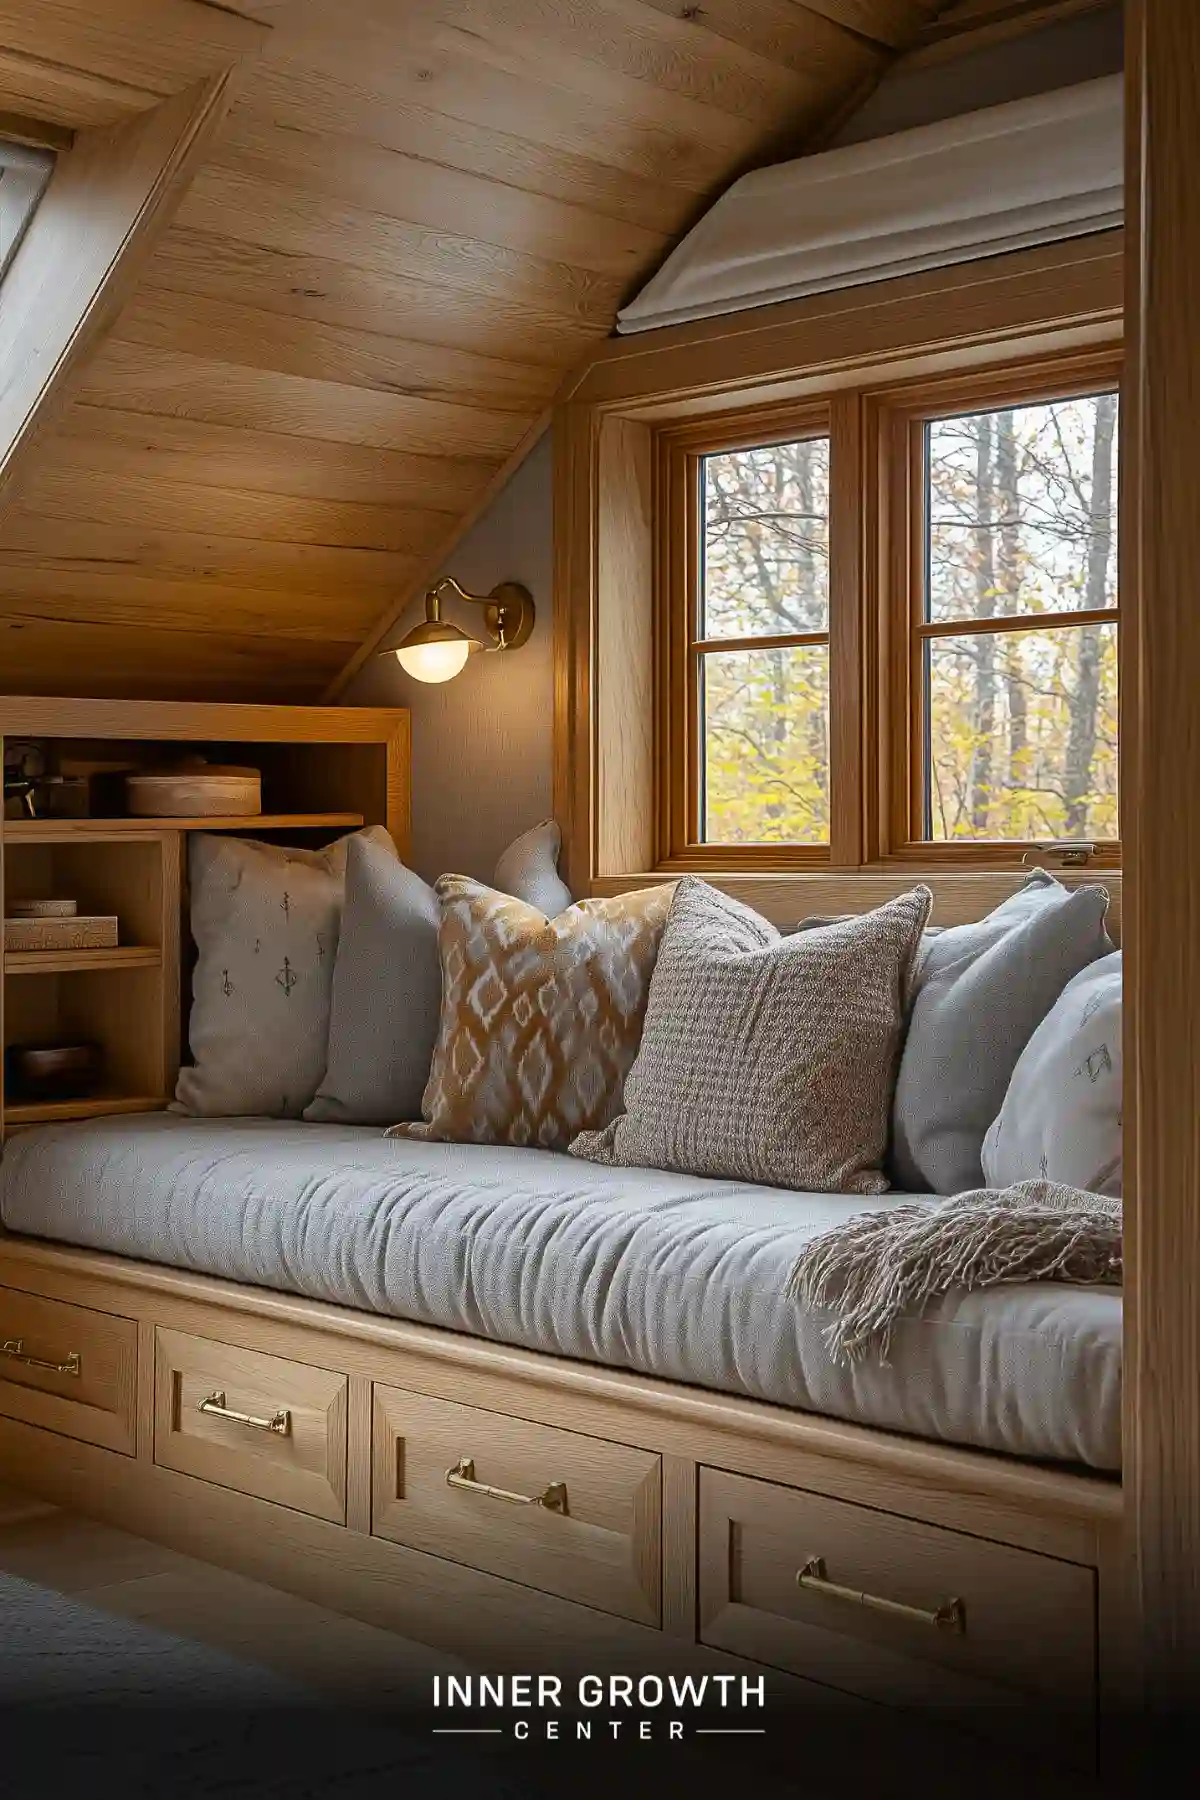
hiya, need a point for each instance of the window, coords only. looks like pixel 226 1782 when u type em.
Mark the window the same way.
pixel 24 172
pixel 1018 630
pixel 892 630
pixel 762 646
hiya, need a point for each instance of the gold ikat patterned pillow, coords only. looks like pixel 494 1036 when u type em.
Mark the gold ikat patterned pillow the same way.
pixel 541 1018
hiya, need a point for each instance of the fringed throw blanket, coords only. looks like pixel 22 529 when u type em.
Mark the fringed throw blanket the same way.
pixel 882 1264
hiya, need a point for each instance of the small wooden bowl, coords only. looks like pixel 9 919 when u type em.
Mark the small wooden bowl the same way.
pixel 53 1071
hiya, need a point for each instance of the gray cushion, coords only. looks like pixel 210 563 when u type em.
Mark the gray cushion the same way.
pixel 672 1275
pixel 980 993
pixel 766 1058
pixel 265 920
pixel 1061 1117
pixel 387 987
pixel 387 991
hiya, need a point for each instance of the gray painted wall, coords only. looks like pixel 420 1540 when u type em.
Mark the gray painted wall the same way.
pixel 482 743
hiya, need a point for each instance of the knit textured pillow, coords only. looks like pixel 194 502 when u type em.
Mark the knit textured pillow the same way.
pixel 541 1018
pixel 766 1058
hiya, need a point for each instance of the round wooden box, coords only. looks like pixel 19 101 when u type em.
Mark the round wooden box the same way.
pixel 207 791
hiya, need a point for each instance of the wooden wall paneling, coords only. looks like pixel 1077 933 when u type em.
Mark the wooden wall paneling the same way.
pixel 112 441
pixel 83 249
pixel 161 45
pixel 625 648
pixel 336 306
pixel 310 286
pixel 189 324
pixel 360 172
pixel 1161 535
pixel 221 393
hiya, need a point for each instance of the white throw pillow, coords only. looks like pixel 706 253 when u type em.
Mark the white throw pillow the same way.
pixel 265 920
pixel 1061 1116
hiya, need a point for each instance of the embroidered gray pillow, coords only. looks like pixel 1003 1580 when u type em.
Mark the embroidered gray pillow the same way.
pixel 768 1058
pixel 981 991
pixel 387 985
pixel 1061 1117
pixel 265 920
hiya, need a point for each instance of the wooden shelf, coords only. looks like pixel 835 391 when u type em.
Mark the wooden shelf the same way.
pixel 62 962
pixel 50 1112
pixel 32 831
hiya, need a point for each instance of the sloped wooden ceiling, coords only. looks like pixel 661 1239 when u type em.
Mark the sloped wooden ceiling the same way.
pixel 416 218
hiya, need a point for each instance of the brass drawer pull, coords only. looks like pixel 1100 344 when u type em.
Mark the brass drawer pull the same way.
pixel 949 1617
pixel 14 1349
pixel 215 1405
pixel 462 1475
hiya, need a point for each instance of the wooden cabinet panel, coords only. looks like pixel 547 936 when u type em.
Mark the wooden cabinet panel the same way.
pixel 575 1516
pixel 68 1369
pixel 253 1422
pixel 911 1614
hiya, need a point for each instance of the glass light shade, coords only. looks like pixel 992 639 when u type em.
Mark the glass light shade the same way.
pixel 434 651
pixel 433 662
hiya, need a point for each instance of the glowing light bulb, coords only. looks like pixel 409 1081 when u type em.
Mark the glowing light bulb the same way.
pixel 434 662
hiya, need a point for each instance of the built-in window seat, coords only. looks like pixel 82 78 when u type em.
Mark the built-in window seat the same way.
pixel 669 1275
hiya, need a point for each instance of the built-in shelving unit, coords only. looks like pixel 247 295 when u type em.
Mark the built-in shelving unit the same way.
pixel 97 1106
pixel 64 962
pixel 325 771
pixel 33 831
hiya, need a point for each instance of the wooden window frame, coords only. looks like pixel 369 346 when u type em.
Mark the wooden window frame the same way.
pixel 680 455
pixel 861 354
pixel 877 722
pixel 896 422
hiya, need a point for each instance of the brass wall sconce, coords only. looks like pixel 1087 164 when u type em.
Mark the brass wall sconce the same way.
pixel 436 651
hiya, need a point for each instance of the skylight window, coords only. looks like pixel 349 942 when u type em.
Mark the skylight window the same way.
pixel 24 173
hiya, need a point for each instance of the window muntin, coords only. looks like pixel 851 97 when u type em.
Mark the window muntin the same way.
pixel 759 645
pixel 1018 637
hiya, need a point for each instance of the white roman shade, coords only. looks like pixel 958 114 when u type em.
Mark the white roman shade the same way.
pixel 1000 179
pixel 24 173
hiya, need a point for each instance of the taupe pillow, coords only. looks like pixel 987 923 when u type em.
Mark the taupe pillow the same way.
pixel 981 990
pixel 265 919
pixel 765 1058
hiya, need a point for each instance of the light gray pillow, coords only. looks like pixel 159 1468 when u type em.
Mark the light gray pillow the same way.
pixel 265 920
pixel 981 991
pixel 387 986
pixel 1061 1117
pixel 766 1058
pixel 528 870
pixel 387 994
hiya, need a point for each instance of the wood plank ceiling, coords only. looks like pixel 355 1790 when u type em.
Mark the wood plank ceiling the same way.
pixel 416 219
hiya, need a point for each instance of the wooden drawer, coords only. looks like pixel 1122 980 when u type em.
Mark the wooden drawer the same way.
pixel 253 1422
pixel 595 1537
pixel 68 1369
pixel 1014 1649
